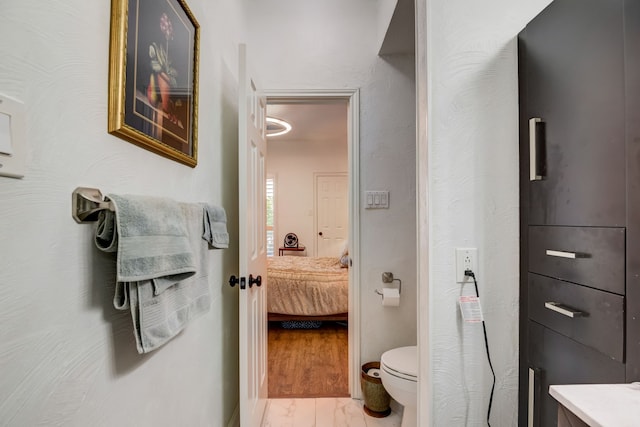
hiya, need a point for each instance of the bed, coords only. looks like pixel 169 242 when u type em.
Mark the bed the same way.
pixel 306 288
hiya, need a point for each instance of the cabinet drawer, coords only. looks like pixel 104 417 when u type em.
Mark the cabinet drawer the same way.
pixel 561 360
pixel 598 317
pixel 590 256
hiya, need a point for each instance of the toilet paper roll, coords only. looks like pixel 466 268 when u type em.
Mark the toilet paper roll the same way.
pixel 374 372
pixel 390 297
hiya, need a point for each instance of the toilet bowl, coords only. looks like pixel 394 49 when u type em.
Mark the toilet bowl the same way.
pixel 399 374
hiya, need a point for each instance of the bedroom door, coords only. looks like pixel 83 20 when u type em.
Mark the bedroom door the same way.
pixel 252 150
pixel 332 214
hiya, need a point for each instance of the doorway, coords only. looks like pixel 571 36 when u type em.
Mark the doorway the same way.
pixel 305 223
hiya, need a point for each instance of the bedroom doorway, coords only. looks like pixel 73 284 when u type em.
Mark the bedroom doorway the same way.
pixel 333 346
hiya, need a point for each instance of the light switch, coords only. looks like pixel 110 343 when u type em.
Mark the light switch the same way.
pixel 5 134
pixel 13 140
pixel 377 200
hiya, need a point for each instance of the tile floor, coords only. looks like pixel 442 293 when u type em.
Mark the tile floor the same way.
pixel 325 412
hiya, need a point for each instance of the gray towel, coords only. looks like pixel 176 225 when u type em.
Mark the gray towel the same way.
pixel 214 220
pixel 150 235
pixel 160 306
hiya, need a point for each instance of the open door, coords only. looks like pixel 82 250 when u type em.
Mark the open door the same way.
pixel 252 150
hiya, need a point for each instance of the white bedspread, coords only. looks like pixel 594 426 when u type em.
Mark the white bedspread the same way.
pixel 307 286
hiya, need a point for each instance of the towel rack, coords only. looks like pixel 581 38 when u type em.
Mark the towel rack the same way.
pixel 87 203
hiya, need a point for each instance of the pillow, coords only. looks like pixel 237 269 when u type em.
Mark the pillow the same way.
pixel 344 256
pixel 344 261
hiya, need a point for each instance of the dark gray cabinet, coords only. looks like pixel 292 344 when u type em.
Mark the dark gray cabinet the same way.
pixel 591 256
pixel 632 137
pixel 574 69
pixel 589 316
pixel 579 112
pixel 555 359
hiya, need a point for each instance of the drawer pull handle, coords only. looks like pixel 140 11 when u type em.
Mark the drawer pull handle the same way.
pixel 562 254
pixel 534 172
pixel 563 309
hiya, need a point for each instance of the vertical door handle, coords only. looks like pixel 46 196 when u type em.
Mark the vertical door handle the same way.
pixel 533 419
pixel 535 173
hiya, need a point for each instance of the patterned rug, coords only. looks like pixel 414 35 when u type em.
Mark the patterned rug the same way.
pixel 301 324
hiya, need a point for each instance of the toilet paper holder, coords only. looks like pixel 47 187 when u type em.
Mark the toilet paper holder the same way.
pixel 387 277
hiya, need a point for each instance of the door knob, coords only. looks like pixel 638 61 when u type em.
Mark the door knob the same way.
pixel 320 233
pixel 233 280
pixel 255 281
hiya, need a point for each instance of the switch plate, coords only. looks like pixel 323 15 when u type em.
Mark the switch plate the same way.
pixel 13 149
pixel 466 258
pixel 376 200
pixel 5 135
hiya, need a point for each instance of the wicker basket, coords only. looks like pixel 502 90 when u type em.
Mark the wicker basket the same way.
pixel 376 398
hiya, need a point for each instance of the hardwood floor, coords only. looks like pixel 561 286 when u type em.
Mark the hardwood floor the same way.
pixel 308 362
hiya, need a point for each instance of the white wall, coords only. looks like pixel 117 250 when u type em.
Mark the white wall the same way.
pixel 385 13
pixel 67 357
pixel 473 202
pixel 294 163
pixel 333 44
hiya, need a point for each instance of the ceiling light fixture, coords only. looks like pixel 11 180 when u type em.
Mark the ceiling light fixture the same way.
pixel 277 127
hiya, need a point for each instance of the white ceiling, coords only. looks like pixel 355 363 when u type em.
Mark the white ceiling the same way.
pixel 315 121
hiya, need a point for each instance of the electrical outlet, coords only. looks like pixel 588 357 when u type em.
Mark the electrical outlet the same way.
pixel 466 259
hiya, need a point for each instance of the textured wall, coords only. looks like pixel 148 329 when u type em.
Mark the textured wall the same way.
pixel 294 165
pixel 385 12
pixel 473 202
pixel 334 44
pixel 67 357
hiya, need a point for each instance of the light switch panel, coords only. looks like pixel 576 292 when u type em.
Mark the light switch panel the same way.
pixel 376 200
pixel 5 134
pixel 13 139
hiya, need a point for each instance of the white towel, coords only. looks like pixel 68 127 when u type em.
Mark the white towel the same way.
pixel 161 309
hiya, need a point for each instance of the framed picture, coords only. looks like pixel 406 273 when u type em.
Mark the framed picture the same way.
pixel 153 76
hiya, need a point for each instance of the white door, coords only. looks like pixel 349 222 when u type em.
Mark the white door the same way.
pixel 332 214
pixel 252 151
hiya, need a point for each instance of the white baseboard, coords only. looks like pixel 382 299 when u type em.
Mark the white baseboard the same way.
pixel 235 418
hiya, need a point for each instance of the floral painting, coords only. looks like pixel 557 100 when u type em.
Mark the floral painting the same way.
pixel 154 76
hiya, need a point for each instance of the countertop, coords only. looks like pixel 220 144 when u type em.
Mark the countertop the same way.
pixel 601 405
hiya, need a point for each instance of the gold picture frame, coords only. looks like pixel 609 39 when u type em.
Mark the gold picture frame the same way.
pixel 153 77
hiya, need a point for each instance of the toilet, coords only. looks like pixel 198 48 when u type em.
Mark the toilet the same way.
pixel 399 374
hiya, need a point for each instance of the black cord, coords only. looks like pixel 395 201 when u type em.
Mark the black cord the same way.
pixel 469 273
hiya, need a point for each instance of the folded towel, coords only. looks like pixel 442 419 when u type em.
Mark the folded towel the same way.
pixel 160 306
pixel 214 219
pixel 150 236
pixel 158 318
